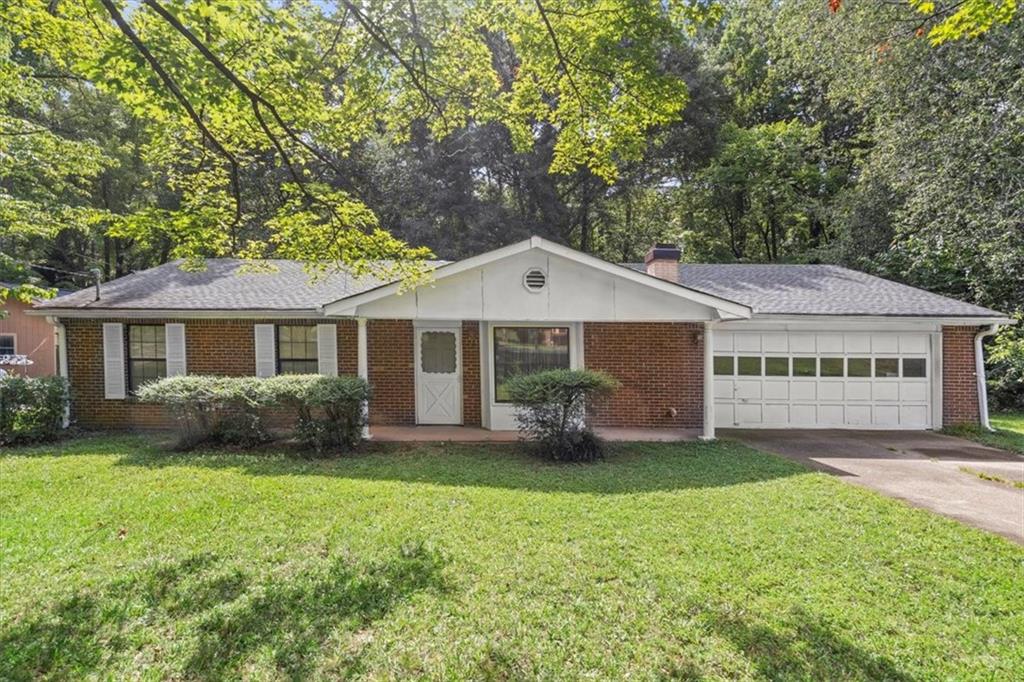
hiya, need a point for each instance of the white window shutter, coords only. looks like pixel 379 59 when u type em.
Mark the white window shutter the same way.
pixel 113 361
pixel 266 353
pixel 174 338
pixel 327 349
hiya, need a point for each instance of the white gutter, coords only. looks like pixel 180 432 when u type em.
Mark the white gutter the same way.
pixel 979 372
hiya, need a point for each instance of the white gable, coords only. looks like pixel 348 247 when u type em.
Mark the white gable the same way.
pixel 576 289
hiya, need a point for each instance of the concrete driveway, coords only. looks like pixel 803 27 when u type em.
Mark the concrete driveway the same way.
pixel 929 470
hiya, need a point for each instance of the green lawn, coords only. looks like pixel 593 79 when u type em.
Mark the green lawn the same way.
pixel 665 561
pixel 1008 434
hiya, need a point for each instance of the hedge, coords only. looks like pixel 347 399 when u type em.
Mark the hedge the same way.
pixel 329 410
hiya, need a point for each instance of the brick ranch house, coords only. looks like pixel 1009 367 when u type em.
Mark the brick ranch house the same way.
pixel 694 346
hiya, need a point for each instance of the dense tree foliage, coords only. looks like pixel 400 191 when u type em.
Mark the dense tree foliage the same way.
pixel 887 135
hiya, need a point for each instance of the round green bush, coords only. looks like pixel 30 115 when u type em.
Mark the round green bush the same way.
pixel 550 409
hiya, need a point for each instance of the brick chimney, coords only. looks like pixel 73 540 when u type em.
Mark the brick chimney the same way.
pixel 663 261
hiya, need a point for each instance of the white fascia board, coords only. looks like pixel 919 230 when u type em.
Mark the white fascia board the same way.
pixel 726 309
pixel 874 322
pixel 154 313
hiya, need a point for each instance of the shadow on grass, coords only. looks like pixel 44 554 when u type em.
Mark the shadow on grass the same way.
pixel 219 618
pixel 628 468
pixel 803 647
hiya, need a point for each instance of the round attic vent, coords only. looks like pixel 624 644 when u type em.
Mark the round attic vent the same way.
pixel 535 279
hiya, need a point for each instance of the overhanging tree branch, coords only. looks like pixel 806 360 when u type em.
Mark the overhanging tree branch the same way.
pixel 172 86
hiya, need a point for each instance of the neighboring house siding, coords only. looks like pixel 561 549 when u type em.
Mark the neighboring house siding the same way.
pixel 471 374
pixel 33 337
pixel 959 379
pixel 660 366
pixel 390 360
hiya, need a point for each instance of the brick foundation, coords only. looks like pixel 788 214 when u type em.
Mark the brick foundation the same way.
pixel 959 379
pixel 660 366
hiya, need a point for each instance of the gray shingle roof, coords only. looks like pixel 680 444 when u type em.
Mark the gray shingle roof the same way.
pixel 819 290
pixel 767 289
pixel 221 286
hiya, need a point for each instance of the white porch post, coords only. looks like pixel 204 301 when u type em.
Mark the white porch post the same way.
pixel 709 382
pixel 363 367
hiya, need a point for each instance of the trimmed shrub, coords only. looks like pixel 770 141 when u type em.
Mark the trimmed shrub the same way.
pixel 238 402
pixel 328 410
pixel 32 408
pixel 551 409
pixel 190 400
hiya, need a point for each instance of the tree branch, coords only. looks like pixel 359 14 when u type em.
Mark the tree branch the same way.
pixel 172 86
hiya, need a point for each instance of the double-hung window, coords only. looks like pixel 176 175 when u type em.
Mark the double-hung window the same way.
pixel 527 350
pixel 147 354
pixel 296 349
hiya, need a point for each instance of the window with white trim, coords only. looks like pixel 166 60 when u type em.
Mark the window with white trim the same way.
pixel 296 349
pixel 8 346
pixel 527 350
pixel 147 354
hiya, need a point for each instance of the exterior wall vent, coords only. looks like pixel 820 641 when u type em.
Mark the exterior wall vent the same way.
pixel 535 279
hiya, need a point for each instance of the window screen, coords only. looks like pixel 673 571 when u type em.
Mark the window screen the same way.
pixel 296 349
pixel 147 354
pixel 6 344
pixel 526 350
pixel 437 352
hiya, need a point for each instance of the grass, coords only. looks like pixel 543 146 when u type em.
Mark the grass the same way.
pixel 456 562
pixel 1008 434
pixel 986 476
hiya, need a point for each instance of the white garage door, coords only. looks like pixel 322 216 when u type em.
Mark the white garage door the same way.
pixel 825 380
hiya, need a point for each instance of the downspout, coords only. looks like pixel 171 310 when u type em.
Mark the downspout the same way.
pixel 979 373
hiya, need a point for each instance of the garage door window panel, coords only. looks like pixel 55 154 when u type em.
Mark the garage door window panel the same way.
pixel 724 365
pixel 858 367
pixel 776 367
pixel 887 368
pixel 831 367
pixel 749 365
pixel 914 368
pixel 805 367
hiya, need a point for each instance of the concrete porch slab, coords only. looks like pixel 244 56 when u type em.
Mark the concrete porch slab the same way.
pixel 468 434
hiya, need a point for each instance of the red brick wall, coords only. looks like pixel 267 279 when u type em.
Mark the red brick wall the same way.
pixel 959 380
pixel 660 366
pixel 390 357
pixel 219 347
pixel 471 373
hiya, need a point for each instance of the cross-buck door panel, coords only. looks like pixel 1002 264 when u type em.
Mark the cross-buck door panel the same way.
pixel 438 375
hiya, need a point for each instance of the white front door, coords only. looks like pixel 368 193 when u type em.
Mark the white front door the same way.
pixel 438 375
